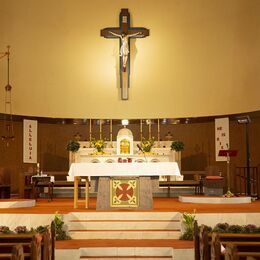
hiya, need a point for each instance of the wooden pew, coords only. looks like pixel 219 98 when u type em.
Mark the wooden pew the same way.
pixel 208 245
pixel 12 250
pixel 233 253
pixel 30 243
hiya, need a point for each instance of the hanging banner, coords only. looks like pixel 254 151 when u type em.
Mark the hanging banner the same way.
pixel 221 136
pixel 29 141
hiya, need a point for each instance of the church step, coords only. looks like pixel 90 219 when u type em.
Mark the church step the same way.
pixel 126 252
pixel 125 234
pixel 145 216
pixel 127 257
pixel 124 225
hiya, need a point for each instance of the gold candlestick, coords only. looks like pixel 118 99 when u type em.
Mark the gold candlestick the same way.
pixel 90 130
pixel 149 129
pixel 100 129
pixel 158 132
pixel 141 130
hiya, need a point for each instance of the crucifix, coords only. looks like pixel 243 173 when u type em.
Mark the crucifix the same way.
pixel 124 32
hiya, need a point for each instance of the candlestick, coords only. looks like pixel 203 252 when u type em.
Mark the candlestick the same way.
pixel 100 129
pixel 150 129
pixel 90 130
pixel 141 130
pixel 111 133
pixel 38 168
pixel 158 132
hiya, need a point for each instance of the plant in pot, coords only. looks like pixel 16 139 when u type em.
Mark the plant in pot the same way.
pixel 73 146
pixel 177 146
pixel 188 220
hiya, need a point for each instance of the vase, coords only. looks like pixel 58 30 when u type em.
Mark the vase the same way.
pixel 99 151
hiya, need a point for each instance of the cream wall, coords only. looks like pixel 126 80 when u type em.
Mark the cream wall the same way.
pixel 202 58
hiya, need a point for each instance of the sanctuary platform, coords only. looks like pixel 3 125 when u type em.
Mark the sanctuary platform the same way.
pixel 127 234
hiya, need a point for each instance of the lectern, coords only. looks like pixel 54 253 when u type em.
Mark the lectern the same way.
pixel 228 154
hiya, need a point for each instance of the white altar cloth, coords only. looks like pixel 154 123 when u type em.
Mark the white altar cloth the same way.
pixel 124 169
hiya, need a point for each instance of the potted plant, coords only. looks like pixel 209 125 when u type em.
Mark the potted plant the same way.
pixel 73 146
pixel 188 220
pixel 177 146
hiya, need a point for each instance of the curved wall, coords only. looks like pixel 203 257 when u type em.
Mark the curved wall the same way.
pixel 201 58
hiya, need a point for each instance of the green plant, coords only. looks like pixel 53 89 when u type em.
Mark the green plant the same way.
pixel 177 146
pixel 60 232
pixel 73 146
pixel 188 220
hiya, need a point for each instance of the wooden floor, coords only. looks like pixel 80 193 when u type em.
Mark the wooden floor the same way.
pixel 63 206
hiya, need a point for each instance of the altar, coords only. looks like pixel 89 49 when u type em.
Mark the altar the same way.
pixel 138 176
pixel 126 172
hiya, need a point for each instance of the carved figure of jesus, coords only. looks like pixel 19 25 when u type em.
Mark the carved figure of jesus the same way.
pixel 124 49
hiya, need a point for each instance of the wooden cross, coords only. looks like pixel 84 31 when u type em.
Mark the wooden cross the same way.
pixel 124 32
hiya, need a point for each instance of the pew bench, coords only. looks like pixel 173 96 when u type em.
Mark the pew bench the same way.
pixel 208 245
pixel 34 244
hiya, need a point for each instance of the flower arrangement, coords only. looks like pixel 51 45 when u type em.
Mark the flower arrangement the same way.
pixel 177 146
pixel 98 144
pixel 147 144
pixel 73 146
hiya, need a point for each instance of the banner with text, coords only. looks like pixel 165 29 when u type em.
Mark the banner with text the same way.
pixel 29 141
pixel 221 136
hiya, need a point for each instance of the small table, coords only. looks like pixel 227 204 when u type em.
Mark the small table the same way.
pixel 39 181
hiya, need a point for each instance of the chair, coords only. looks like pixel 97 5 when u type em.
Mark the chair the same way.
pixel 213 182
